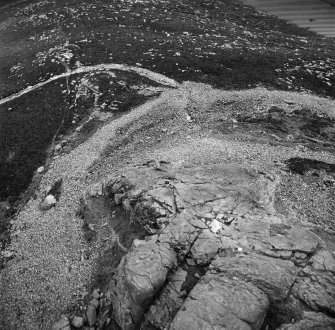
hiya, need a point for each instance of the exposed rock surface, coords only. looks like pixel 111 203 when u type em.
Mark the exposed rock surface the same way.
pixel 218 254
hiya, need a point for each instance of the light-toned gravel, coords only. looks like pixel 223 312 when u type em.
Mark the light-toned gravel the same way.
pixel 48 273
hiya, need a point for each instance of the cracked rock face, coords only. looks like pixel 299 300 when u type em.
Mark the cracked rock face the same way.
pixel 139 276
pixel 217 253
pixel 224 303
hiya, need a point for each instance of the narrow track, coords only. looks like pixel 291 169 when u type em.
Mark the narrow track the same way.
pixel 159 78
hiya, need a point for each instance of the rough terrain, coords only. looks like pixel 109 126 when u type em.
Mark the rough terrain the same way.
pixel 192 206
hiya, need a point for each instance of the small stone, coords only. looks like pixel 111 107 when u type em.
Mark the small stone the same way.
pixel 61 323
pixel 91 314
pixel 48 203
pixel 164 130
pixel 96 294
pixel 40 169
pixel 137 242
pixel 7 254
pixel 300 255
pixel 50 200
pixel 103 303
pixel 229 220
pixel 77 322
pixel 95 303
pixel 190 262
pixel 58 147
pixel 239 249
pixel 323 260
pixel 215 226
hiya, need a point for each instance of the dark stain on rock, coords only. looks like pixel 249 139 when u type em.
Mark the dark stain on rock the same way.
pixel 194 273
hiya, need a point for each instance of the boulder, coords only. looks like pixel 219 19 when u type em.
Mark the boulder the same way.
pixel 91 314
pixel 273 276
pixel 317 290
pixel 219 302
pixel 40 169
pixel 139 276
pixel 61 324
pixel 163 310
pixel 77 322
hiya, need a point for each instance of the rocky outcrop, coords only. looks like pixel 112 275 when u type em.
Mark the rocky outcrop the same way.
pixel 217 253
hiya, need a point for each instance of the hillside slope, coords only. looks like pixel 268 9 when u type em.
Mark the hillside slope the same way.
pixel 188 167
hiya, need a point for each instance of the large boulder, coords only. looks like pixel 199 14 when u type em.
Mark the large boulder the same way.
pixel 139 276
pixel 220 302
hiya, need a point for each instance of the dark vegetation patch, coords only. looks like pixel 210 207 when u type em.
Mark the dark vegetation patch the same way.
pixel 219 42
pixel 277 126
pixel 31 125
pixel 27 126
pixel 111 230
pixel 304 165
pixel 194 273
